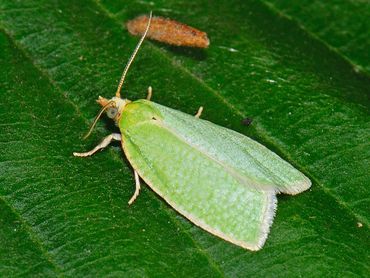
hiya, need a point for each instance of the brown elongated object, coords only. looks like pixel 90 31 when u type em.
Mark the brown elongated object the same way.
pixel 168 31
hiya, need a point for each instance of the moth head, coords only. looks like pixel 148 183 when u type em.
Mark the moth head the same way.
pixel 113 107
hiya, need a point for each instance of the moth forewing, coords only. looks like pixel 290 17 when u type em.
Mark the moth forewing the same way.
pixel 196 178
pixel 197 187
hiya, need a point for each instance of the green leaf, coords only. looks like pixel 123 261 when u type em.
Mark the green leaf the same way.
pixel 64 216
pixel 342 25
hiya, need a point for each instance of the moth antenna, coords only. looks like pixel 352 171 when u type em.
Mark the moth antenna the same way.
pixel 97 118
pixel 118 92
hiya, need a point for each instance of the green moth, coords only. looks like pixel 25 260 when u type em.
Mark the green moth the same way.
pixel 220 180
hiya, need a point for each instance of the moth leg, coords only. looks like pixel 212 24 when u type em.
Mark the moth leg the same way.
pixel 137 188
pixel 105 142
pixel 200 110
pixel 149 95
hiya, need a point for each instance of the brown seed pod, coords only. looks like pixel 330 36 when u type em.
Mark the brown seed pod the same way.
pixel 168 31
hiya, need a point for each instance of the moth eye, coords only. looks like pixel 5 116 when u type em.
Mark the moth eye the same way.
pixel 112 112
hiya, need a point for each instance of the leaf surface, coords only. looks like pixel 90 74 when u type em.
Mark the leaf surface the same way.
pixel 342 25
pixel 64 216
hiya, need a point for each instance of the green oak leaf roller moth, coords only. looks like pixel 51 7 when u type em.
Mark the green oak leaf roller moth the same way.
pixel 221 180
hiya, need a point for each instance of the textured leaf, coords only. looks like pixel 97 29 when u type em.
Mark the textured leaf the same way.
pixel 63 216
pixel 344 25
